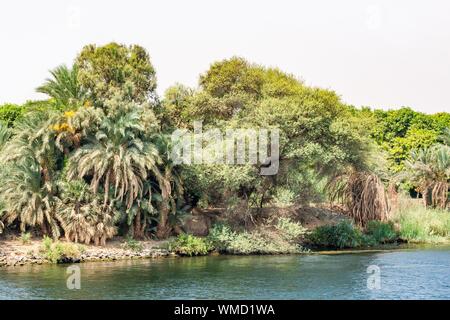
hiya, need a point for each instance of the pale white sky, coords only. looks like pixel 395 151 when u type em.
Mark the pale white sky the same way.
pixel 383 54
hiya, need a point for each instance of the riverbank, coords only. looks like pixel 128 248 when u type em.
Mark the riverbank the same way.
pixel 15 253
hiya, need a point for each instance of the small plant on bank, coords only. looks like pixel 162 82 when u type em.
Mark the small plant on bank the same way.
pixel 132 244
pixel 56 251
pixel 220 237
pixel 290 230
pixel 25 237
pixel 189 245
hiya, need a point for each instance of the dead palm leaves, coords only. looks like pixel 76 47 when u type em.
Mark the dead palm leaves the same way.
pixel 362 193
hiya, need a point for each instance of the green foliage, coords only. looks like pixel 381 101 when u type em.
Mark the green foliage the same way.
pixel 63 87
pixel 132 244
pixel 189 245
pixel 428 171
pixel 401 131
pixel 281 238
pixel 220 236
pixel 25 237
pixel 418 224
pixel 27 189
pixel 342 235
pixel 56 251
pixel 10 113
pixel 5 134
pixel 104 70
pixel 381 232
pixel 290 230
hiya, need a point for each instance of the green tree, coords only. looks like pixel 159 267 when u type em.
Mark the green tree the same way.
pixel 27 198
pixel 64 87
pixel 10 113
pixel 429 171
pixel 104 70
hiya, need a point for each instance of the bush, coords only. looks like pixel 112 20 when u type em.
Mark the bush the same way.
pixel 421 225
pixel 132 244
pixel 290 230
pixel 342 235
pixel 189 245
pixel 381 232
pixel 220 236
pixel 25 237
pixel 57 252
pixel 9 113
pixel 265 240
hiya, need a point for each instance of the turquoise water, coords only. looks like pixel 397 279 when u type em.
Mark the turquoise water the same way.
pixel 404 274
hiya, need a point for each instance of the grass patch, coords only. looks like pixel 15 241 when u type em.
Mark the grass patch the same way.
pixel 421 225
pixel 382 232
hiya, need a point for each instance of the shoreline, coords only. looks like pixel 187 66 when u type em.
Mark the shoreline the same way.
pixel 14 254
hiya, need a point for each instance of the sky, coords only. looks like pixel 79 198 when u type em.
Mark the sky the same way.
pixel 382 54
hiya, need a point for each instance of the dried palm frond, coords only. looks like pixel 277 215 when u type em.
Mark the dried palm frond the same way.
pixel 362 193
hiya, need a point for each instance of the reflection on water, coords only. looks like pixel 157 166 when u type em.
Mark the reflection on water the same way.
pixel 409 274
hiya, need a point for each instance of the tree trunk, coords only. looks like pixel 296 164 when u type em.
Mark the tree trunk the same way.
pixel 105 202
pixel 138 231
pixel 163 230
pixel 425 197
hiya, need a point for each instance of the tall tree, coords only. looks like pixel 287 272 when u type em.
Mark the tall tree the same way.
pixel 114 67
pixel 64 87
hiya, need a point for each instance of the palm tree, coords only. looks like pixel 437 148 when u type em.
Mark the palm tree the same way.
pixel 429 171
pixel 64 86
pixel 33 140
pixel 120 158
pixel 5 135
pixel 28 159
pixel 170 186
pixel 28 198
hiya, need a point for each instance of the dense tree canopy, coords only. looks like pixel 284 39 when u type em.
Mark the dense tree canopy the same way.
pixel 95 159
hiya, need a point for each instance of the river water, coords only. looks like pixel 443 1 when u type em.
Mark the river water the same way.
pixel 400 274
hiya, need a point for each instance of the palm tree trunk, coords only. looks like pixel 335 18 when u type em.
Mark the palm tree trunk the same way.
pixel 163 229
pixel 138 232
pixel 425 197
pixel 105 202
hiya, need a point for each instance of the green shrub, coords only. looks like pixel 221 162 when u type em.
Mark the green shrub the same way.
pixel 220 236
pixel 56 251
pixel 10 113
pixel 290 230
pixel 247 243
pixel 132 244
pixel 381 232
pixel 265 240
pixel 284 197
pixel 342 235
pixel 25 237
pixel 189 245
